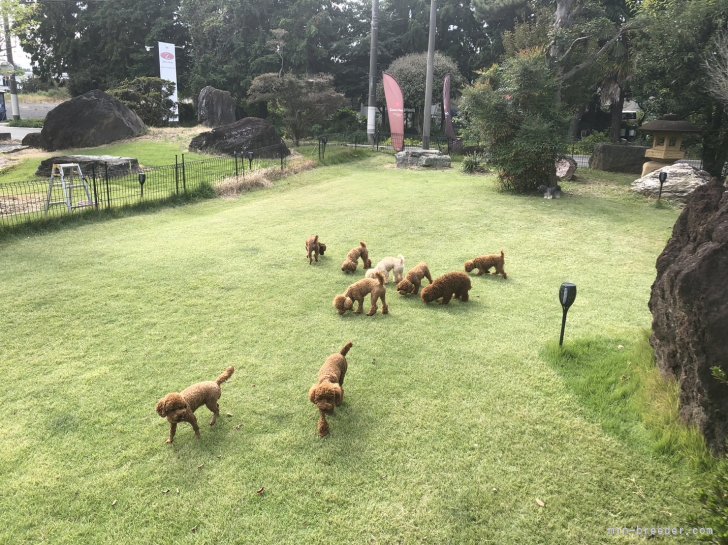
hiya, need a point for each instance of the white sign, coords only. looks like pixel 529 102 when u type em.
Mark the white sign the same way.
pixel 168 71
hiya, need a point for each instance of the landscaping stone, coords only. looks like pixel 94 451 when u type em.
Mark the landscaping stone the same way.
pixel 421 158
pixel 682 180
pixel 689 305
pixel 89 120
pixel 215 107
pixel 117 166
pixel 5 136
pixel 33 140
pixel 565 168
pixel 250 133
pixel 618 158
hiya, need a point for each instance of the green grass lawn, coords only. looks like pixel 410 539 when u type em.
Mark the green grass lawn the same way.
pixel 457 422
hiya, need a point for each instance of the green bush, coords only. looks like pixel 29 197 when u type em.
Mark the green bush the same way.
pixel 474 164
pixel 344 120
pixel 148 97
pixel 586 145
pixel 715 504
pixel 30 123
pixel 511 109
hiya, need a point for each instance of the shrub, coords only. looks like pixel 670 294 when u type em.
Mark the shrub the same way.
pixel 474 164
pixel 511 109
pixel 345 120
pixel 148 97
pixel 586 145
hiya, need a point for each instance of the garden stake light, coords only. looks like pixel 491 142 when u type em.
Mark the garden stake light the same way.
pixel 142 179
pixel 662 177
pixel 567 294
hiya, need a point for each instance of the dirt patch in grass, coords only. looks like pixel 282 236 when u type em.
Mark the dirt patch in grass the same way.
pixel 262 179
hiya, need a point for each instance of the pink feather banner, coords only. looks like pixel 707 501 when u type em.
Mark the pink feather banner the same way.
pixel 395 109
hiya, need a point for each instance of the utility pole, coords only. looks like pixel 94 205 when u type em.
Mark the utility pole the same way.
pixel 372 103
pixel 428 82
pixel 13 84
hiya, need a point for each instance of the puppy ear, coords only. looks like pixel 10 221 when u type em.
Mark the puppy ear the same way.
pixel 338 394
pixel 162 407
pixel 312 394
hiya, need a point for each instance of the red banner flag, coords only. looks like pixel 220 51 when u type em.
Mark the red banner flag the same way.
pixel 395 107
pixel 449 129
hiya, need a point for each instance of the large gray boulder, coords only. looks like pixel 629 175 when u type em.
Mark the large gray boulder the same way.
pixel 422 158
pixel 101 164
pixel 89 120
pixel 618 158
pixel 682 180
pixel 215 107
pixel 250 133
pixel 689 305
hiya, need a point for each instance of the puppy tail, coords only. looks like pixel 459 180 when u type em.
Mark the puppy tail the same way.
pixel 225 376
pixel 347 347
pixel 362 244
pixel 502 256
pixel 315 239
pixel 380 277
pixel 401 259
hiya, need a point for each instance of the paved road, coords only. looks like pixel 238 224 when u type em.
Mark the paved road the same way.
pixel 16 133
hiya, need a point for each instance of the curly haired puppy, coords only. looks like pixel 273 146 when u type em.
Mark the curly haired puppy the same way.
pixel 485 262
pixel 314 247
pixel 358 291
pixel 454 283
pixel 181 407
pixel 394 264
pixel 411 283
pixel 328 392
pixel 349 264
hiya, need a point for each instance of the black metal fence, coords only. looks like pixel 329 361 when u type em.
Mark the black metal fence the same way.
pixel 382 142
pixel 105 188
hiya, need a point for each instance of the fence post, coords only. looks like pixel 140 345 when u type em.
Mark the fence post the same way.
pixel 235 153
pixel 281 152
pixel 96 193
pixel 108 189
pixel 355 135
pixel 184 175
pixel 176 175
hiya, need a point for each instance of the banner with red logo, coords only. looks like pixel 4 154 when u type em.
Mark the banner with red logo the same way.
pixel 395 108
pixel 168 71
pixel 449 129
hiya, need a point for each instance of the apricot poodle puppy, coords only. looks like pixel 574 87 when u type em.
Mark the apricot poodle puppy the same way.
pixel 394 264
pixel 445 287
pixel 358 291
pixel 181 407
pixel 411 283
pixel 349 264
pixel 485 262
pixel 328 392
pixel 314 247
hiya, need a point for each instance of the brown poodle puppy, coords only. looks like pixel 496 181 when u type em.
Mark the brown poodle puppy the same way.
pixel 454 283
pixel 315 247
pixel 485 262
pixel 358 291
pixel 328 392
pixel 411 283
pixel 181 407
pixel 349 264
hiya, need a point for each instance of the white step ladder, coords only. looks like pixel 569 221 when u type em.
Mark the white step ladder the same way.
pixel 69 178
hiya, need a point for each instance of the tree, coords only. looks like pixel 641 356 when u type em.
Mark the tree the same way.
pixel 301 100
pixel 671 76
pixel 148 97
pixel 716 66
pixel 410 71
pixel 511 109
pixel 99 44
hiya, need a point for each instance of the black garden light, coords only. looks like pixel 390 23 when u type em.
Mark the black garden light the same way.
pixel 142 179
pixel 567 294
pixel 662 176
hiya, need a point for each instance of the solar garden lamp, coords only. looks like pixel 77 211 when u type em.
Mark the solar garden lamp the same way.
pixel 567 294
pixel 662 176
pixel 142 179
pixel 250 155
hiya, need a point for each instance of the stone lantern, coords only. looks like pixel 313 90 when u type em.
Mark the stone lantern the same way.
pixel 667 141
